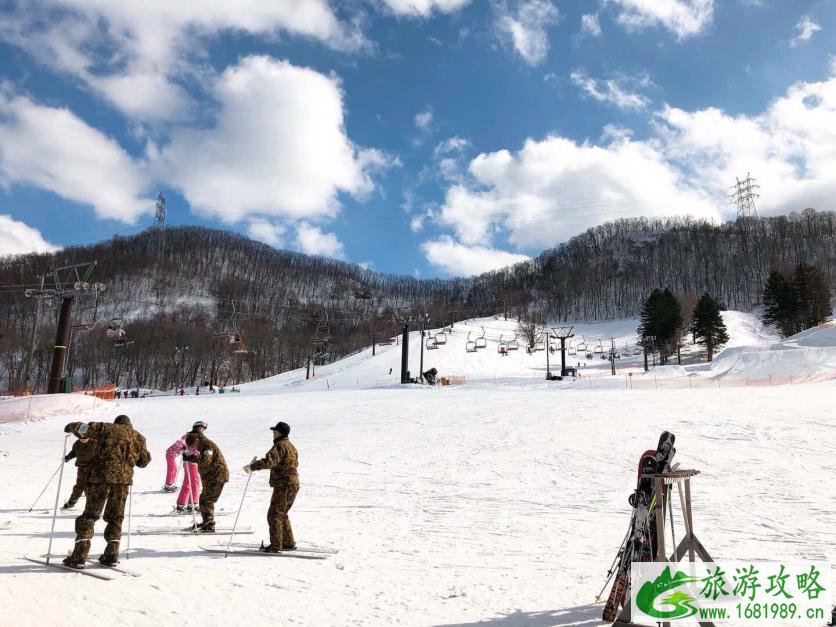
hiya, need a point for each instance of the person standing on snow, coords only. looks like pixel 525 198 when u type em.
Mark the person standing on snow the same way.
pixel 282 460
pixel 85 455
pixel 190 488
pixel 214 473
pixel 120 449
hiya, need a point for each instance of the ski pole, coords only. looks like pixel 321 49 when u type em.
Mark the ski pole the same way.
pixel 57 496
pixel 177 474
pixel 47 485
pixel 240 507
pixel 612 566
pixel 130 503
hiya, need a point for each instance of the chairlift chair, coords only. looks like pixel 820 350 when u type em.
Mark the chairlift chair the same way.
pixel 431 343
pixel 582 345
pixel 470 345
pixel 481 341
pixel 114 330
pixel 502 349
pixel 513 344
pixel 571 349
pixel 441 338
pixel 599 347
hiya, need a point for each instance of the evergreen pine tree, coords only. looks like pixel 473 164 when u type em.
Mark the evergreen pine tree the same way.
pixel 660 324
pixel 812 297
pixel 708 326
pixel 779 303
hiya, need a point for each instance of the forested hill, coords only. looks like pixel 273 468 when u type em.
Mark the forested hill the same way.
pixel 178 289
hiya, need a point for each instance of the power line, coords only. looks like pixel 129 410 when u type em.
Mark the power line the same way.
pixel 744 194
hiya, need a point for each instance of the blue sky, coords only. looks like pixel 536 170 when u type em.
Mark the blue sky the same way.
pixel 427 137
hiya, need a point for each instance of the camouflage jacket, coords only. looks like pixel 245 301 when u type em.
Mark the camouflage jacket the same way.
pixel 120 449
pixel 211 463
pixel 84 452
pixel 282 460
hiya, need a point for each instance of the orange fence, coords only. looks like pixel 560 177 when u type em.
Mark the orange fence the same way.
pixel 104 392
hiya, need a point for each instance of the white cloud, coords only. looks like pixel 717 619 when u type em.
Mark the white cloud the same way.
pixel 312 241
pixel 277 148
pixel 590 26
pixel 619 91
pixel 423 8
pixel 525 27
pixel 457 259
pixel 134 53
pixel 449 157
pixel 17 238
pixel 55 150
pixel 804 31
pixel 265 231
pixel 424 119
pixel 684 18
pixel 555 187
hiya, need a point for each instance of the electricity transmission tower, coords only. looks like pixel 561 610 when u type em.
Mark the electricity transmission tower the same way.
pixel 744 193
pixel 159 216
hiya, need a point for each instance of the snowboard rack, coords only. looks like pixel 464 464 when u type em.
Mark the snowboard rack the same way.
pixel 689 544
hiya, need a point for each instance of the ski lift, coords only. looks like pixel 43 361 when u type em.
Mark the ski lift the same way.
pixel 322 334
pixel 513 344
pixel 481 341
pixel 441 338
pixel 431 343
pixel 571 349
pixel 114 329
pixel 502 349
pixel 599 347
pixel 637 351
pixel 470 345
pixel 582 345
pixel 539 344
pixel 386 341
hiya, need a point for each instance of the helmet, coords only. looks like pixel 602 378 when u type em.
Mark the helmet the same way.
pixel 199 424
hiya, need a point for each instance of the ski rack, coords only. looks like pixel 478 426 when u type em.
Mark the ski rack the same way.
pixel 690 544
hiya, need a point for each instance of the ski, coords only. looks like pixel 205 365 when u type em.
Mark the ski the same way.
pixel 180 531
pixel 89 573
pixel 6 524
pixel 303 548
pixel 295 554
pixel 174 514
pixel 118 569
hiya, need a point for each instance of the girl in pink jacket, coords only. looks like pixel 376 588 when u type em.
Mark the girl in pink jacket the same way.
pixel 191 478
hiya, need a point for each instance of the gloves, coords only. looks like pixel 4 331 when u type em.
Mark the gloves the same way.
pixel 68 457
pixel 247 469
pixel 191 457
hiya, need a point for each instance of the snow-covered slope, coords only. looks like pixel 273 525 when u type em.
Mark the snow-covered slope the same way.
pixel 449 506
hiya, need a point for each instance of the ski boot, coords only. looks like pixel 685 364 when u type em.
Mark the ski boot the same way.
pixel 195 527
pixel 207 527
pixel 270 548
pixel 79 555
pixel 110 557
pixel 180 509
pixel 169 487
pixel 289 547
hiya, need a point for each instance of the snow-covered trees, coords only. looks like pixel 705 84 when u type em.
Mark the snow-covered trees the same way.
pixel 660 325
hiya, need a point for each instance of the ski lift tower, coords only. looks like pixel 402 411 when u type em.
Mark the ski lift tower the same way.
pixel 67 282
pixel 562 334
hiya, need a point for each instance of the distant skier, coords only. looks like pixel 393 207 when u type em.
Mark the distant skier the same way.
pixel 120 448
pixel 84 453
pixel 282 460
pixel 214 473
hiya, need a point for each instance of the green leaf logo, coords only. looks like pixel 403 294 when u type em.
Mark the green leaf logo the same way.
pixel 679 602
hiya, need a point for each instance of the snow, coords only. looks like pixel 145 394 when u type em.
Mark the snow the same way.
pixel 501 501
pixel 41 406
